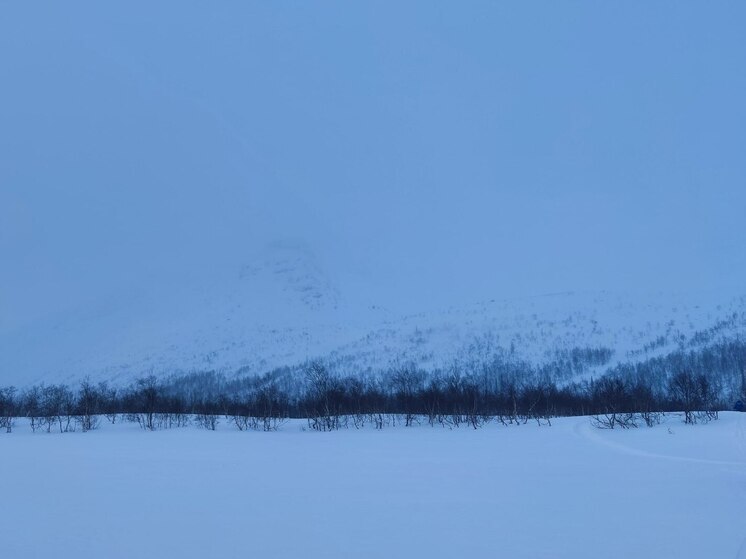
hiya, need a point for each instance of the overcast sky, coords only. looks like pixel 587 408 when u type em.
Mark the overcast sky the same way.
pixel 447 151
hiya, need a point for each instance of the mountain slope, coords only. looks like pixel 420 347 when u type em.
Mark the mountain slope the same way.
pixel 283 308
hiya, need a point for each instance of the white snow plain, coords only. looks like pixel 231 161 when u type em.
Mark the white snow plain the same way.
pixel 569 490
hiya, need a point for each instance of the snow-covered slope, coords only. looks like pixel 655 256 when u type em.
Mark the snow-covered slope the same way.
pixel 282 308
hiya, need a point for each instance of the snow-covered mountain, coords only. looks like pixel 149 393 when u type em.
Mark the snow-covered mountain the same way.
pixel 282 308
pixel 438 164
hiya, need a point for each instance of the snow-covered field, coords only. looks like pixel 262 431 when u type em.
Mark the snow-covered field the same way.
pixel 569 490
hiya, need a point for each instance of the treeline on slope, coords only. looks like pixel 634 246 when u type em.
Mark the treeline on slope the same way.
pixel 698 383
pixel 722 363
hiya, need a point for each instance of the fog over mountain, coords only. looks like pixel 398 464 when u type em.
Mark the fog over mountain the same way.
pixel 314 171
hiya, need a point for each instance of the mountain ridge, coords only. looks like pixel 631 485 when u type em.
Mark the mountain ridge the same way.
pixel 284 308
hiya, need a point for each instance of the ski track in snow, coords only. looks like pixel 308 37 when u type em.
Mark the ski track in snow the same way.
pixel 587 431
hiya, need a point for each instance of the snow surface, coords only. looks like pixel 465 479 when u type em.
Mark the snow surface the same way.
pixel 568 490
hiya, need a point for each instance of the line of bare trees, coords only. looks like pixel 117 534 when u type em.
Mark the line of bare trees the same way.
pixel 626 404
pixel 54 407
pixel 405 396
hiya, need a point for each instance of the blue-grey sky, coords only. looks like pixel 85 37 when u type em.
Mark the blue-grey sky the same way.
pixel 447 150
